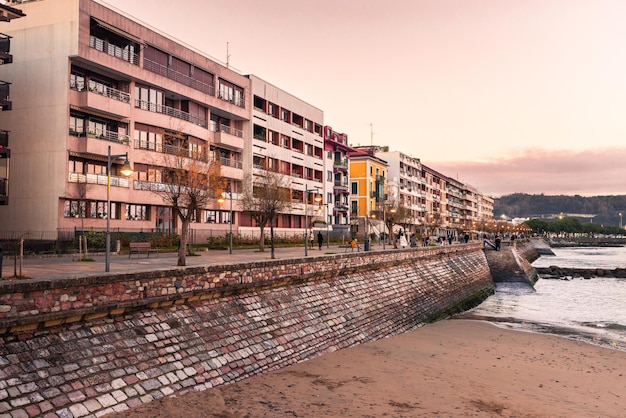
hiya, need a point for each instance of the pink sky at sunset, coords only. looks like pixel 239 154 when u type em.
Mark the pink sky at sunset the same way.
pixel 509 96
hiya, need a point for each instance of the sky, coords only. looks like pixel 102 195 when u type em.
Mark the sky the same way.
pixel 524 96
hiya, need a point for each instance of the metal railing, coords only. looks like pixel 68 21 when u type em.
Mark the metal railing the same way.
pixel 170 111
pixel 97 179
pixel 102 90
pixel 113 50
pixel 160 69
pixel 226 129
pixel 171 150
pixel 231 163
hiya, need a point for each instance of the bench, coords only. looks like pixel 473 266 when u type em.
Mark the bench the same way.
pixel 141 248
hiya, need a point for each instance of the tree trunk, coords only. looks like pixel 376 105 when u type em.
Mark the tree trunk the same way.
pixel 182 247
pixel 272 240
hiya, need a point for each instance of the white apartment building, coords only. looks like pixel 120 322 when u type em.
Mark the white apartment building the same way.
pixel 287 138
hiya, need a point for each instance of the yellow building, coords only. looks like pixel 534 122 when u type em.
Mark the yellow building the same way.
pixel 368 178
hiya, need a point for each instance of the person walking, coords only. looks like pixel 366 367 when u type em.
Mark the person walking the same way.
pixel 320 239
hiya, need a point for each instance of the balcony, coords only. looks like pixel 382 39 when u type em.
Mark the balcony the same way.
pixel 231 169
pixel 116 51
pixel 102 99
pixel 111 136
pixel 170 111
pixel 5 103
pixel 341 185
pixel 228 136
pixel 172 150
pixel 97 179
pixel 5 152
pixel 5 49
pixel 181 78
pixel 4 191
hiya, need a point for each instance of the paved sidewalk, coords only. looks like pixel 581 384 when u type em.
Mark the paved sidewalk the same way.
pixel 68 266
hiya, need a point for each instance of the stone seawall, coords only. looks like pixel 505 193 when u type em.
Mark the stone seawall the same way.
pixel 96 345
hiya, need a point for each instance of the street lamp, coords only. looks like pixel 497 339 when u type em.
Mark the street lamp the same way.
pixel 230 234
pixel 126 170
pixel 620 220
pixel 306 215
pixel 327 222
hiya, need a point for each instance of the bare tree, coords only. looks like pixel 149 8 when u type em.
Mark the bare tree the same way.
pixel 190 184
pixel 263 199
pixel 394 214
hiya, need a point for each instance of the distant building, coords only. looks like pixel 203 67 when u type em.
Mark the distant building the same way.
pixel 338 175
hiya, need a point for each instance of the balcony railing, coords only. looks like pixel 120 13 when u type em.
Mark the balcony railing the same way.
pixel 103 134
pixel 340 163
pixel 171 150
pixel 97 179
pixel 231 163
pixel 170 111
pixel 226 129
pixel 160 69
pixel 113 50
pixel 4 185
pixel 103 90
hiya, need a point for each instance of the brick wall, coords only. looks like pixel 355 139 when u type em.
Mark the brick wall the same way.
pixel 109 343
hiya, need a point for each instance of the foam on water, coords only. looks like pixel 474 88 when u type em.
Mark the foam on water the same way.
pixel 592 310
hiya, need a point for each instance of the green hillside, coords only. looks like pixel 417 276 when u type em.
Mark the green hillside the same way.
pixel 605 208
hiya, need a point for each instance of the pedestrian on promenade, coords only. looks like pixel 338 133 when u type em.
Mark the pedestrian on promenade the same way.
pixel 498 242
pixel 320 239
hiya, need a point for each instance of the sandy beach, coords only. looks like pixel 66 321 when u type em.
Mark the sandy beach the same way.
pixel 453 368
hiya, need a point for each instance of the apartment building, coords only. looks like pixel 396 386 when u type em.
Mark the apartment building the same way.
pixel 7 13
pixel 288 139
pixel 368 179
pixel 92 86
pixel 404 185
pixel 338 175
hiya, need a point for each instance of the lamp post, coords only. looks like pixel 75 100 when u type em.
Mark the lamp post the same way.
pixel 327 222
pixel 306 216
pixel 230 233
pixel 620 220
pixel 126 171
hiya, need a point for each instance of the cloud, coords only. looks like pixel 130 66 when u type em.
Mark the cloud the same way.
pixel 552 172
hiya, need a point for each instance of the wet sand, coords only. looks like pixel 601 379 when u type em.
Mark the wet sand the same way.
pixel 453 368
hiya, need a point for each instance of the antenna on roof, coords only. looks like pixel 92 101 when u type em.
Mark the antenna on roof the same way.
pixel 371 134
pixel 227 56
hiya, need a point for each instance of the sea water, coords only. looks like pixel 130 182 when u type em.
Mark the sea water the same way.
pixel 592 310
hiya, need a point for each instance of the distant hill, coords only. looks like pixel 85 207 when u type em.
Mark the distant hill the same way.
pixel 606 209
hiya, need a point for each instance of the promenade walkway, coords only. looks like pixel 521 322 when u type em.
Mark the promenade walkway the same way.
pixel 68 266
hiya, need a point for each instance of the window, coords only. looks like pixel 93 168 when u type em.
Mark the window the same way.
pixel 210 216
pixel 77 81
pixel 89 209
pixel 355 188
pixel 77 124
pixel 149 98
pixel 329 176
pixel 148 137
pixel 230 92
pixel 137 212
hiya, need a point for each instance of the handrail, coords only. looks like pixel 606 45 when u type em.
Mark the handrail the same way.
pixel 113 50
pixel 172 74
pixel 170 111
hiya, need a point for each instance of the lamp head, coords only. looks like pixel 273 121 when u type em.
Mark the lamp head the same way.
pixel 126 169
